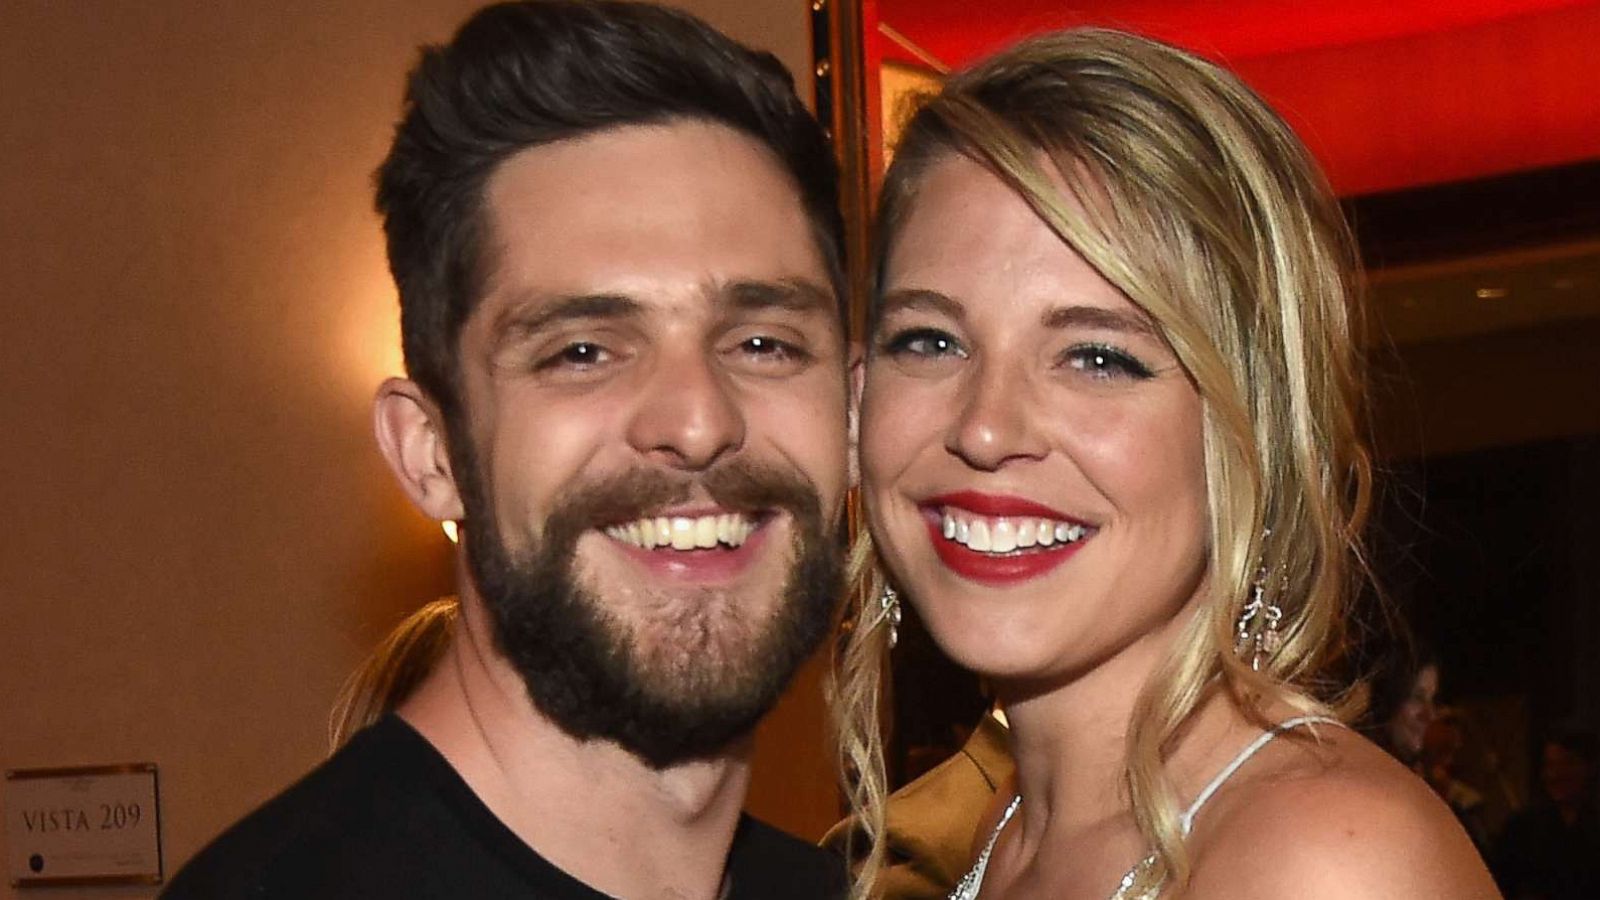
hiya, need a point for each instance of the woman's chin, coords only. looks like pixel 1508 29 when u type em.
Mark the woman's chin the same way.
pixel 993 652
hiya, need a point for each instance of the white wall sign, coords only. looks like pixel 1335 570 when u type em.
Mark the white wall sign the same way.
pixel 87 825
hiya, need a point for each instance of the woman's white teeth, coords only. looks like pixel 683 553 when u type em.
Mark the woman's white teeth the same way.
pixel 978 535
pixel 1028 533
pixel 1007 534
pixel 684 532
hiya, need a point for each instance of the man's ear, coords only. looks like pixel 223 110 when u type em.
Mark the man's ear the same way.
pixel 858 374
pixel 410 431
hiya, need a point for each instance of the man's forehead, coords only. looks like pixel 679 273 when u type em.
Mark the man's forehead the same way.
pixel 680 211
pixel 685 159
pixel 535 311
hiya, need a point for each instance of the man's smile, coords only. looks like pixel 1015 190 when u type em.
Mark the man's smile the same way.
pixel 686 532
pixel 700 546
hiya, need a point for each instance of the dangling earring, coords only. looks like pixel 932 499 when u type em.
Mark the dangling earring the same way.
pixel 889 604
pixel 1258 623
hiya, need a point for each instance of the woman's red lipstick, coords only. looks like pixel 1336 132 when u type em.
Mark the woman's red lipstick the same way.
pixel 989 568
pixel 997 505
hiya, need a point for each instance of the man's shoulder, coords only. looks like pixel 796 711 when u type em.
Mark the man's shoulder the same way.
pixel 295 829
pixel 368 822
pixel 770 864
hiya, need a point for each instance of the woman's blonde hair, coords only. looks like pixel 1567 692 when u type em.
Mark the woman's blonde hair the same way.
pixel 393 670
pixel 1204 209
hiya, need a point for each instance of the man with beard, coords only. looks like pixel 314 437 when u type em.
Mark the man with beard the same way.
pixel 617 247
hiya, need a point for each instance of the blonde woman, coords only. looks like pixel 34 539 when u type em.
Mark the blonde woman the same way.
pixel 1110 452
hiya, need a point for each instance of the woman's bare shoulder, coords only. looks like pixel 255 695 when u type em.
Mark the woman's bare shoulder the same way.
pixel 1332 817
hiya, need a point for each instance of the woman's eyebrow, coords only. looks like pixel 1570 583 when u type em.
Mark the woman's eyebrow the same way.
pixel 920 298
pixel 1095 317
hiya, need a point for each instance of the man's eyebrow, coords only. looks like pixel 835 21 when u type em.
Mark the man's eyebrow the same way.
pixel 792 294
pixel 1096 317
pixel 523 319
pixel 919 298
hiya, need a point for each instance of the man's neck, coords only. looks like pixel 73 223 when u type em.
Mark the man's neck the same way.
pixel 590 808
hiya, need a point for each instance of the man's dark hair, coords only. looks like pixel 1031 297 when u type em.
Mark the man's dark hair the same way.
pixel 518 75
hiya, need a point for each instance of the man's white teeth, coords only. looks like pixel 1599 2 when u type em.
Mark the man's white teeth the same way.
pixel 683 532
pixel 1006 534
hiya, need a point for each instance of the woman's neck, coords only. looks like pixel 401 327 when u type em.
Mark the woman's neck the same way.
pixel 1070 743
pixel 1070 739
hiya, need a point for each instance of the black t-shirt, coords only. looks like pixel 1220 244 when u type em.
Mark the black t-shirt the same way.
pixel 387 818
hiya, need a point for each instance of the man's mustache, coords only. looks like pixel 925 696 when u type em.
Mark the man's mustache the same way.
pixel 641 492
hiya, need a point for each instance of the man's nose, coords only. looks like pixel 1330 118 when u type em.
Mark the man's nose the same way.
pixel 688 416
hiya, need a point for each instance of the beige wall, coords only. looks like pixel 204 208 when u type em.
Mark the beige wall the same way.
pixel 194 309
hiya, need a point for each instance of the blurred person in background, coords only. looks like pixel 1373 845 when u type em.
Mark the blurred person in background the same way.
pixel 1441 757
pixel 1404 704
pixel 1551 849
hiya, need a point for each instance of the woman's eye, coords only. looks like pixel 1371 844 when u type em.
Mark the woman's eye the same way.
pixel 576 355
pixel 1105 362
pixel 927 343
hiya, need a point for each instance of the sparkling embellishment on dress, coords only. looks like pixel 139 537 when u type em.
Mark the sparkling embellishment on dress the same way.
pixel 967 887
pixel 1138 879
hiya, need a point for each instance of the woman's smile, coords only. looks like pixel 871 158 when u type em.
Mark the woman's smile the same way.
pixel 997 540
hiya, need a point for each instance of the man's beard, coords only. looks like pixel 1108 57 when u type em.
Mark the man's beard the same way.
pixel 667 677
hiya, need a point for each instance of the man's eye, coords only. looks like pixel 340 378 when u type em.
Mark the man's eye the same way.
pixel 928 343
pixel 765 355
pixel 767 347
pixel 1105 362
pixel 576 355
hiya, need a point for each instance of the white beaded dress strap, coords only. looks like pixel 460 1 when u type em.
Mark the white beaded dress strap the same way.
pixel 1139 883
pixel 1187 819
